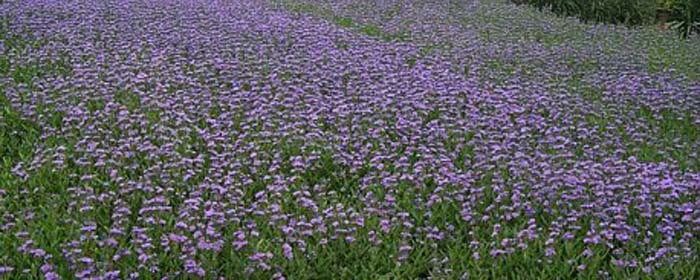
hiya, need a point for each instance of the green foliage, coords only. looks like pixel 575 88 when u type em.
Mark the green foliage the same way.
pixel 685 16
pixel 631 12
pixel 345 22
pixel 665 4
pixel 17 134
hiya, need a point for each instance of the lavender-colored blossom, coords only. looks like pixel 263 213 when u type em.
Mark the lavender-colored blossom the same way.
pixel 6 269
pixel 287 251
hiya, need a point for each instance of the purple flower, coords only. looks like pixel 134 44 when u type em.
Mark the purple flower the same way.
pixel 6 269
pixel 384 225
pixel 112 274
pixel 51 276
pixel 549 252
pixel 287 251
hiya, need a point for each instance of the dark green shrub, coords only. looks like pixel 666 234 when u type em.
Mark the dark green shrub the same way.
pixel 631 12
pixel 685 16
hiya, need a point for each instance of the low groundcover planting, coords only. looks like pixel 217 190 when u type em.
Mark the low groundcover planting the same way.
pixel 348 139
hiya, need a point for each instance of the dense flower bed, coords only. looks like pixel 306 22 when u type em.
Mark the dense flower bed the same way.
pixel 340 139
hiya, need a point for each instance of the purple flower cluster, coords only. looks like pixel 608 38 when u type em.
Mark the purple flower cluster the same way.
pixel 180 135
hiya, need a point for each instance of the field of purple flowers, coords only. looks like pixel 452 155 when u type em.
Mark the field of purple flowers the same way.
pixel 349 139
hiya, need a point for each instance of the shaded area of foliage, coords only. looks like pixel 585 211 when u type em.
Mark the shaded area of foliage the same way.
pixel 681 15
